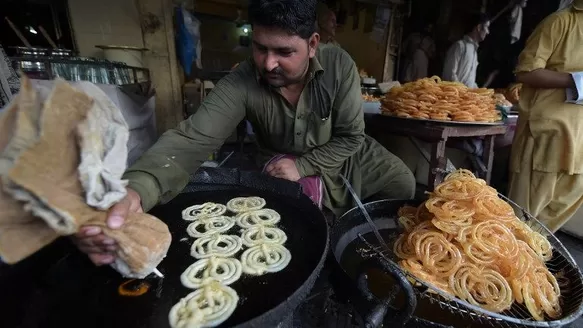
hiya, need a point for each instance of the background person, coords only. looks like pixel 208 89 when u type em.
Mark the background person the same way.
pixel 546 163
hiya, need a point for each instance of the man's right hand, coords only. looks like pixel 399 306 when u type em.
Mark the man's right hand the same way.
pixel 91 240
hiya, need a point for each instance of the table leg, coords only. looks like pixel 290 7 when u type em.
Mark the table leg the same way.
pixel 488 156
pixel 438 164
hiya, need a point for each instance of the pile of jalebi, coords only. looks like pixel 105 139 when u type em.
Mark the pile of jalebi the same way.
pixel 468 242
pixel 431 98
pixel 370 98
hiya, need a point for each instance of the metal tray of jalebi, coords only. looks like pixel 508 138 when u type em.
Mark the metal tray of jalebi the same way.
pixel 431 121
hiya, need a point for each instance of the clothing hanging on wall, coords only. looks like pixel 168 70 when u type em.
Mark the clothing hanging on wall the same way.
pixel 516 24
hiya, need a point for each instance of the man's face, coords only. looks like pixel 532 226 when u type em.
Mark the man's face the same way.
pixel 330 23
pixel 484 30
pixel 282 59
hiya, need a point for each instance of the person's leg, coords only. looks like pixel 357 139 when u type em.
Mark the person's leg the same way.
pixel 312 186
pixel 566 200
pixel 531 190
pixel 384 175
pixel 552 198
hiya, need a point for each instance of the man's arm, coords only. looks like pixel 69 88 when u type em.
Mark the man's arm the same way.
pixel 451 64
pixel 531 69
pixel 164 170
pixel 347 128
pixel 545 78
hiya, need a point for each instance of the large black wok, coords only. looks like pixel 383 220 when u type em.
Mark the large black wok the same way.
pixel 70 292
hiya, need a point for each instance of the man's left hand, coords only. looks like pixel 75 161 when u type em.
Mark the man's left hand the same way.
pixel 285 169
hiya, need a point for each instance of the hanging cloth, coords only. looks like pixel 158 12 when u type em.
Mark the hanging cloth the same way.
pixel 516 23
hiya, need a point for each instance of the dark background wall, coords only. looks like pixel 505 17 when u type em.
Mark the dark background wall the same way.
pixel 51 14
pixel 495 52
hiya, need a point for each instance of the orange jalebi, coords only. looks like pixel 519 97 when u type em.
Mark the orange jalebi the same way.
pixel 483 287
pixel 431 98
pixel 466 241
pixel 488 206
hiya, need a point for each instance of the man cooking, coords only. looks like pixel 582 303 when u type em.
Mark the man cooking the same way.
pixel 546 162
pixel 304 103
pixel 461 60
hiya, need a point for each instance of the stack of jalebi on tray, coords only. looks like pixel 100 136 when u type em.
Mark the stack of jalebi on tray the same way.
pixel 431 98
pixel 467 242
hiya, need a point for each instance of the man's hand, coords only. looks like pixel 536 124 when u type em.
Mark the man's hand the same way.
pixel 91 240
pixel 285 169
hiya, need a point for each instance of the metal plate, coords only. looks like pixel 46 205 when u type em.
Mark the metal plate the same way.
pixel 446 122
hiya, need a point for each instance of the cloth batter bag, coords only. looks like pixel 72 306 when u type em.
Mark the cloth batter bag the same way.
pixel 46 177
pixel 17 224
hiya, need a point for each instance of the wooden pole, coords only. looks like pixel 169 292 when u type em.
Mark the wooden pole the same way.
pixel 47 36
pixel 18 33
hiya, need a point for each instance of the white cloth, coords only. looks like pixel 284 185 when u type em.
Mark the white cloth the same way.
pixel 516 23
pixel 138 108
pixel 461 62
pixel 576 96
pixel 103 143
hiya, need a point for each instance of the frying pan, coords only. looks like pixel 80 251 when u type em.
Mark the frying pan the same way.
pixel 72 293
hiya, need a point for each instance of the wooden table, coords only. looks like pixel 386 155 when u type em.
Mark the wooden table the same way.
pixel 438 134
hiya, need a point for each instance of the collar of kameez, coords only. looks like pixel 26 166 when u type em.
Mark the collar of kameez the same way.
pixel 578 5
pixel 314 69
pixel 468 39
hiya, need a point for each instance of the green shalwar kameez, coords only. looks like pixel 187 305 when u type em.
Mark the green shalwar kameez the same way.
pixel 325 131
